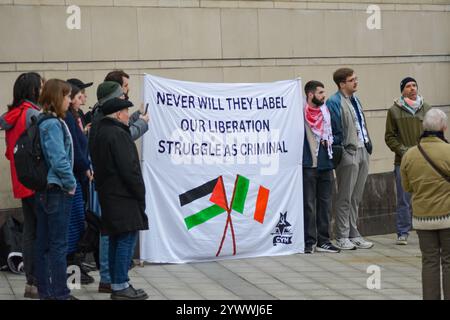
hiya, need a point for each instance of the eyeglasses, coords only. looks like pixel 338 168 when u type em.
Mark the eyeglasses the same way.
pixel 352 80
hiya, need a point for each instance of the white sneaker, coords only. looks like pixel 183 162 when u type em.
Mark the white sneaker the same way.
pixel 402 240
pixel 345 244
pixel 361 243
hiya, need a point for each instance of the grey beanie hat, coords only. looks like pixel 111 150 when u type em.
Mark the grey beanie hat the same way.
pixel 108 90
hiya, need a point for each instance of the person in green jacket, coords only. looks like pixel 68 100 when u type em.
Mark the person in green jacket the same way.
pixel 403 129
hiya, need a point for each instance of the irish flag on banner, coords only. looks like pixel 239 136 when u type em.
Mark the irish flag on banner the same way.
pixel 222 168
pixel 215 190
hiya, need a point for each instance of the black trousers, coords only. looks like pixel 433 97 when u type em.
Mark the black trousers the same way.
pixel 29 238
pixel 317 189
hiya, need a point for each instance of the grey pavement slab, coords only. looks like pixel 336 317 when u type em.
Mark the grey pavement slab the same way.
pixel 325 276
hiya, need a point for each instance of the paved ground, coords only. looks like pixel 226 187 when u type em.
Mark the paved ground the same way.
pixel 300 276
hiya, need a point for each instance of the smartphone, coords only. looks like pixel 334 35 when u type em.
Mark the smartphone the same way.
pixel 146 109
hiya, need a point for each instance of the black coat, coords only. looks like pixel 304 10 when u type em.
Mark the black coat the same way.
pixel 118 177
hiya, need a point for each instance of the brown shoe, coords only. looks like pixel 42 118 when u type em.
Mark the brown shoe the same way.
pixel 104 287
pixel 31 292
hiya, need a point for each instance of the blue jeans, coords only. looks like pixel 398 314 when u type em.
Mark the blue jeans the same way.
pixel 105 277
pixel 404 212
pixel 121 248
pixel 94 205
pixel 53 210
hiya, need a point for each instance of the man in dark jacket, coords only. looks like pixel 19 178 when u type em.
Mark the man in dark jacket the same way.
pixel 403 130
pixel 317 170
pixel 121 193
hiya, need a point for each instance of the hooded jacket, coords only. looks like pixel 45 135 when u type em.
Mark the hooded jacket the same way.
pixel 15 122
pixel 403 129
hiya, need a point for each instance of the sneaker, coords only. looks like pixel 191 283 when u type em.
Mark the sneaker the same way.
pixel 402 240
pixel 327 247
pixel 309 250
pixel 85 278
pixel 31 292
pixel 345 244
pixel 361 243
pixel 88 267
pixel 129 294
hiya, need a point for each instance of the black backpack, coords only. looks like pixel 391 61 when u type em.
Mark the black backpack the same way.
pixel 31 167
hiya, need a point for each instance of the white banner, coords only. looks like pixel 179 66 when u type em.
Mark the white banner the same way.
pixel 222 168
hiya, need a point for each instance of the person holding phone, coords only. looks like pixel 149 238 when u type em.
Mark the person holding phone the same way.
pixel 138 121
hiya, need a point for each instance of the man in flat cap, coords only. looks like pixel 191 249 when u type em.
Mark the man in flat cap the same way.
pixel 121 192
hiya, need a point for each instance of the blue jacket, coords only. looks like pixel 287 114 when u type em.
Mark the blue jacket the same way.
pixel 334 106
pixel 58 153
pixel 323 161
pixel 80 149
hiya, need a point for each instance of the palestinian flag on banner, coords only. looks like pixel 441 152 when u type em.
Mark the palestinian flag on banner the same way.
pixel 239 201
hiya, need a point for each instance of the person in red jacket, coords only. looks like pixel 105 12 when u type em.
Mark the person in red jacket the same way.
pixel 15 121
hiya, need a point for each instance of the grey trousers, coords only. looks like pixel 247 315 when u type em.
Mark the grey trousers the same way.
pixel 351 175
pixel 435 248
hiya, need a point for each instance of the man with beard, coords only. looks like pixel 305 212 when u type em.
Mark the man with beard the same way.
pixel 351 149
pixel 403 129
pixel 138 121
pixel 317 170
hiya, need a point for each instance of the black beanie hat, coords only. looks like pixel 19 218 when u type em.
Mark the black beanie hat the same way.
pixel 405 81
pixel 114 105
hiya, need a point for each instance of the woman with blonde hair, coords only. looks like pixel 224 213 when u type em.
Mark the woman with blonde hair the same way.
pixel 55 202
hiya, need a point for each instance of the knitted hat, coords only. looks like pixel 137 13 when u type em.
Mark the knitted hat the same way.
pixel 108 90
pixel 114 105
pixel 405 81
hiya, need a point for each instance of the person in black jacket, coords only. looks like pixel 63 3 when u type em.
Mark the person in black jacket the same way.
pixel 121 192
pixel 83 174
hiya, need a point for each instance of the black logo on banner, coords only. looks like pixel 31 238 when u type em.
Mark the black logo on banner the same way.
pixel 283 234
